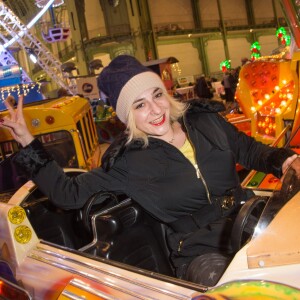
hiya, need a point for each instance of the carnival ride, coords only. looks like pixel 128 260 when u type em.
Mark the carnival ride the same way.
pixel 268 88
pixel 114 250
pixel 15 32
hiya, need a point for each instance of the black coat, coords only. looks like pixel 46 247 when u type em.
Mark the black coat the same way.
pixel 159 177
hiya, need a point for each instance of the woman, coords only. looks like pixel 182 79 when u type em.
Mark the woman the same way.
pixel 177 162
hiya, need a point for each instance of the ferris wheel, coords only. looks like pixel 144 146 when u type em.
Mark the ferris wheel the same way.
pixel 14 31
pixel 56 29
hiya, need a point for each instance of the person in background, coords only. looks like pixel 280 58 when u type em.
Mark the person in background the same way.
pixel 229 86
pixel 62 92
pixel 177 160
pixel 202 89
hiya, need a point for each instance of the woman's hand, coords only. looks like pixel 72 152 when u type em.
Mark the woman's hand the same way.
pixel 294 162
pixel 15 122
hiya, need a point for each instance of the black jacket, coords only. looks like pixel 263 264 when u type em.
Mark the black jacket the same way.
pixel 159 177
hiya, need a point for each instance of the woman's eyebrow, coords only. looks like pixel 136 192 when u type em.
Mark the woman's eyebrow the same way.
pixel 141 99
pixel 138 100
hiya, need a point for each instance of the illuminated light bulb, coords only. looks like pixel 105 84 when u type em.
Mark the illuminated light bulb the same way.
pixel 259 102
pixel 267 96
pixel 277 88
pixel 267 131
pixel 289 96
pixel 259 124
pixel 274 126
pixel 16 215
pixel 280 95
pixel 263 125
pixel 270 126
pixel 23 234
pixel 267 119
pixel 253 109
pixel 283 103
pixel 284 81
pixel 278 110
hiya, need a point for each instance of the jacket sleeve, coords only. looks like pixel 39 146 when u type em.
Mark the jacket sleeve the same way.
pixel 253 154
pixel 63 191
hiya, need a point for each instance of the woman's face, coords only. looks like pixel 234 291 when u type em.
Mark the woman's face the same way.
pixel 151 112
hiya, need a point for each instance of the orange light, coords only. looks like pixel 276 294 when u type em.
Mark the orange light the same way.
pixel 50 120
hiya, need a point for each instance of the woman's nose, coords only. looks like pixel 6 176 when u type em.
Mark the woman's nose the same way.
pixel 155 109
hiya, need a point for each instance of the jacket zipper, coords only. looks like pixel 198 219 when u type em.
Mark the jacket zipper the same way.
pixel 198 171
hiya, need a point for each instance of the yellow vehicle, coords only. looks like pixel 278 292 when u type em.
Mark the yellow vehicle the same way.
pixel 66 128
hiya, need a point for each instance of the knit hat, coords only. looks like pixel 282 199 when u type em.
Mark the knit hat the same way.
pixel 123 80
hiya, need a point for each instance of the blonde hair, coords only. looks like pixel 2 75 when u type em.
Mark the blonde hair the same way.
pixel 177 110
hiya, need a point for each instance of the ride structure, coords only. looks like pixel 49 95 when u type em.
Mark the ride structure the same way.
pixel 17 32
pixel 268 88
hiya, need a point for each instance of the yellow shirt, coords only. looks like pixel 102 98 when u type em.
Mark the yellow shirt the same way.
pixel 188 152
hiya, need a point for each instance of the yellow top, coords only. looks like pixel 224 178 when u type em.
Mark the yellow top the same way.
pixel 188 151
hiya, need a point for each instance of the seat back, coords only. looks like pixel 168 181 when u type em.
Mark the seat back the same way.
pixel 127 234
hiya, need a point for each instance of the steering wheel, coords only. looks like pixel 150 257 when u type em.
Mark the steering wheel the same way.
pixel 246 221
pixel 98 202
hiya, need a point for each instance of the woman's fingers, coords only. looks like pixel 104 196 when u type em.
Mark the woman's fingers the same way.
pixel 8 102
pixel 20 106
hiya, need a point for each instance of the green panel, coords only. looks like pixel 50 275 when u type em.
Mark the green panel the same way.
pixel 256 179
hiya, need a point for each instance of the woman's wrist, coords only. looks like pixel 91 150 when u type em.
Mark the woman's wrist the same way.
pixel 26 140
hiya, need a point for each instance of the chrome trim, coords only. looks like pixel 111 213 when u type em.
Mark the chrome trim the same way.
pixel 75 282
pixel 97 279
pixel 72 296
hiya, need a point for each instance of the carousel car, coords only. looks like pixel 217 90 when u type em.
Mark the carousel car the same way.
pixel 112 249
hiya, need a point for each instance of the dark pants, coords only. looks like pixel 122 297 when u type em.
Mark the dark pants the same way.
pixel 229 95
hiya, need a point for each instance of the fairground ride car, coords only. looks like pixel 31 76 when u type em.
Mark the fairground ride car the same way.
pixel 66 128
pixel 115 250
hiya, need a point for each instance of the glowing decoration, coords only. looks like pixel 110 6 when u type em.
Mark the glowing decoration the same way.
pixel 280 32
pixel 266 125
pixel 284 38
pixel 23 234
pixel 16 215
pixel 31 92
pixel 265 94
pixel 255 50
pixel 225 65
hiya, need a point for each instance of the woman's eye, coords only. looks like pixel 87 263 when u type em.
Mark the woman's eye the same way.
pixel 139 106
pixel 158 95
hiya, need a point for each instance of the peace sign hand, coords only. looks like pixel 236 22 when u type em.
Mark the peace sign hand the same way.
pixel 15 122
